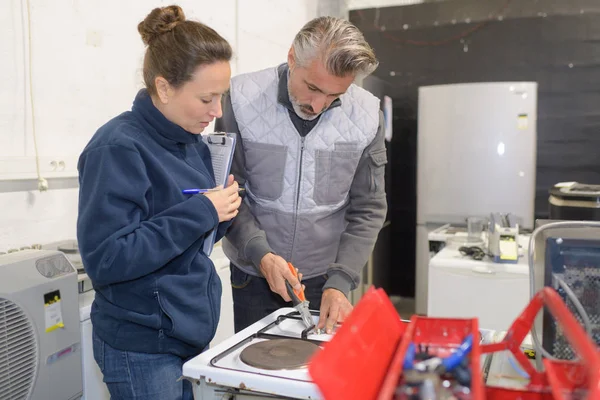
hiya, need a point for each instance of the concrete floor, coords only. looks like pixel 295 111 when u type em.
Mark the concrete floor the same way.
pixel 404 305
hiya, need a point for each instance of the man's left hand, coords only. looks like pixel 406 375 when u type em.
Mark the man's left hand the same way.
pixel 335 307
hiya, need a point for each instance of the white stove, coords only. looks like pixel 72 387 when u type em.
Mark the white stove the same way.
pixel 220 373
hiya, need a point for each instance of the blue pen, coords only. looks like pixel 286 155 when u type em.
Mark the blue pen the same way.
pixel 197 191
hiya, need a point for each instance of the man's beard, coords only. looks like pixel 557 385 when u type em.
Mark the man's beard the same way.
pixel 299 109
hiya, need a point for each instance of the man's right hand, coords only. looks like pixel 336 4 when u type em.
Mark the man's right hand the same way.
pixel 276 271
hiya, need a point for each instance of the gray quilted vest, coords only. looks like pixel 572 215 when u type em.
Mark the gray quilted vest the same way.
pixel 297 187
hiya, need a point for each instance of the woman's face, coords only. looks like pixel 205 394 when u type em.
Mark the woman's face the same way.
pixel 197 102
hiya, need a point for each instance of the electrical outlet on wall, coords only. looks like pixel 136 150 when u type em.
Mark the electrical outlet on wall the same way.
pixel 93 38
pixel 19 168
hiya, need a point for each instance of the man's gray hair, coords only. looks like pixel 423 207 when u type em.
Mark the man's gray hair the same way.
pixel 338 44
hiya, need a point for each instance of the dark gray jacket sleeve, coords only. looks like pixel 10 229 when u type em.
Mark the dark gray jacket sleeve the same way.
pixel 365 215
pixel 245 234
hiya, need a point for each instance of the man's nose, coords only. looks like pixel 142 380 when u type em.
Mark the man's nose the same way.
pixel 318 103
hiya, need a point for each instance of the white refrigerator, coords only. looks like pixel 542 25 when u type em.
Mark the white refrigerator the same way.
pixel 476 154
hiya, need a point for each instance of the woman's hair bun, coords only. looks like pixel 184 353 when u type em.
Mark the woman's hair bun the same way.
pixel 159 21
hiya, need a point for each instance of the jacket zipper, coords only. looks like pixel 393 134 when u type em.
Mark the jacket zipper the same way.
pixel 302 138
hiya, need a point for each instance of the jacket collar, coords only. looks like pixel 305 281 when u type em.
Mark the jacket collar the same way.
pixel 163 128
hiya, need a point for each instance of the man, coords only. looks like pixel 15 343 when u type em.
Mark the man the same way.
pixel 311 154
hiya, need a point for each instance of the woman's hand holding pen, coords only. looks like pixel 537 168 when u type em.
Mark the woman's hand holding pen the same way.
pixel 226 201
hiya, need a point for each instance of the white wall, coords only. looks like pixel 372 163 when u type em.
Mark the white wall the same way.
pixel 86 59
pixel 267 28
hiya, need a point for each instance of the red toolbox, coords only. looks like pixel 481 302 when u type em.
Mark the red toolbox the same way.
pixel 440 336
pixel 370 357
pixel 353 364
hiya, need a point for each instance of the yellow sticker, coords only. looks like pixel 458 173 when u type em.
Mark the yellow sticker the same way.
pixel 522 121
pixel 52 311
pixel 508 249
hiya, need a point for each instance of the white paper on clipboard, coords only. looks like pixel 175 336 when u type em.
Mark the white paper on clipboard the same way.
pixel 221 147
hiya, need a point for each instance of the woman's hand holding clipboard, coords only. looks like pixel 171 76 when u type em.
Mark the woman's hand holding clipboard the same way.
pixel 226 201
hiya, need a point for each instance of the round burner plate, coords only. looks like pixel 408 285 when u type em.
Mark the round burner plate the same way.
pixel 277 354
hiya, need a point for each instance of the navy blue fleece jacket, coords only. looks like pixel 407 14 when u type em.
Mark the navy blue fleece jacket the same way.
pixel 141 239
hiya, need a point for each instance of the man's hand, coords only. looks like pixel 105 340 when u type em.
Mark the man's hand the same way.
pixel 335 307
pixel 276 271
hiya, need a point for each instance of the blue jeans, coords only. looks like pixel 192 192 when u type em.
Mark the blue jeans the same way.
pixel 130 375
pixel 254 300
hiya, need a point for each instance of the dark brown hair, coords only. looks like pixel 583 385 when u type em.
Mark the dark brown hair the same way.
pixel 176 46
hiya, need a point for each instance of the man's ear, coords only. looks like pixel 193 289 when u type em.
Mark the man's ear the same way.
pixel 291 58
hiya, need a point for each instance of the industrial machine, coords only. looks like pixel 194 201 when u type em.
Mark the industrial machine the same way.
pixel 40 349
pixel 574 201
pixel 566 256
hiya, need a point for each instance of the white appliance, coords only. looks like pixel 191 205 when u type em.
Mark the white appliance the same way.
pixel 222 369
pixel 460 287
pixel 225 329
pixel 71 250
pixel 93 386
pixel 40 349
pixel 476 155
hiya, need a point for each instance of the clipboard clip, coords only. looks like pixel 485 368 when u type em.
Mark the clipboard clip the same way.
pixel 217 138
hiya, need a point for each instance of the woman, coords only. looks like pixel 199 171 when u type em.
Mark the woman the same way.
pixel 157 294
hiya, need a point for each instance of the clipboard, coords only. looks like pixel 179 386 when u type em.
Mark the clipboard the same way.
pixel 221 146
